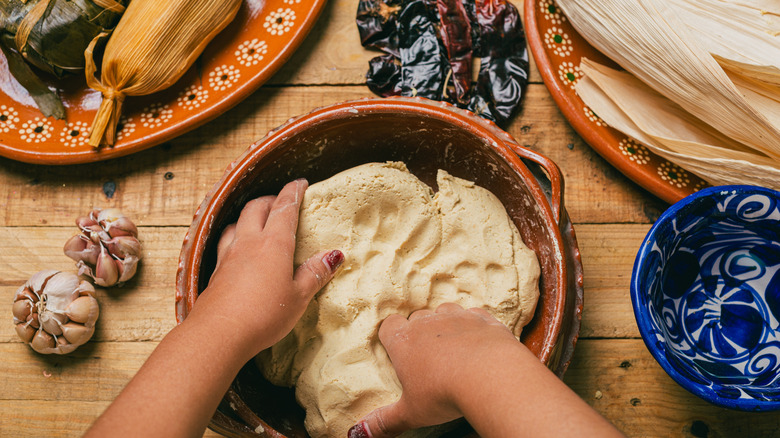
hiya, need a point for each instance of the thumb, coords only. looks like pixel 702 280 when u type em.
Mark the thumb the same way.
pixel 317 271
pixel 385 422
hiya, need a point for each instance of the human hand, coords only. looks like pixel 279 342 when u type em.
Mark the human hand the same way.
pixel 253 287
pixel 438 357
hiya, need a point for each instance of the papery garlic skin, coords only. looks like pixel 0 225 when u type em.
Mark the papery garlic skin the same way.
pixel 55 312
pixel 107 250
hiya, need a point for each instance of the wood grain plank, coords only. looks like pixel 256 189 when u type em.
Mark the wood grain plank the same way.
pixel 143 308
pixel 608 253
pixel 165 184
pixel 619 378
pixel 332 53
pixel 53 419
pixel 96 371
pixel 159 186
pixel 622 381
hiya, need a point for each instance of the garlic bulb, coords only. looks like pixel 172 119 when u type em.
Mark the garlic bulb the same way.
pixel 107 250
pixel 55 312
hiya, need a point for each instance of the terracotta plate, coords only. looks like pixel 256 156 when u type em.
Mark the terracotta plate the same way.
pixel 240 59
pixel 557 49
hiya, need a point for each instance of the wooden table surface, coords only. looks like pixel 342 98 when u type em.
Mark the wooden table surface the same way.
pixel 161 188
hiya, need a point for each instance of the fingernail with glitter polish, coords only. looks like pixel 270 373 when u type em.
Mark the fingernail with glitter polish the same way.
pixel 333 260
pixel 359 430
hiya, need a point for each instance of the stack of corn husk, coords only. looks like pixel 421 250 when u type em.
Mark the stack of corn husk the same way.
pixel 702 81
pixel 153 45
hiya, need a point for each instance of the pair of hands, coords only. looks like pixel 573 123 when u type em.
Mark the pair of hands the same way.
pixel 255 271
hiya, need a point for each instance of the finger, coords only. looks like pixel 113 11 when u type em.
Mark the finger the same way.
pixel 283 219
pixel 317 271
pixel 385 422
pixel 390 330
pixel 225 240
pixel 254 215
pixel 448 308
pixel 420 314
pixel 485 315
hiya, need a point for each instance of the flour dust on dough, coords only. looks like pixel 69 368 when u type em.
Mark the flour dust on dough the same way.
pixel 405 249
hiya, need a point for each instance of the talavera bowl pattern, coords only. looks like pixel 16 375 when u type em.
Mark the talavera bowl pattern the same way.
pixel 706 295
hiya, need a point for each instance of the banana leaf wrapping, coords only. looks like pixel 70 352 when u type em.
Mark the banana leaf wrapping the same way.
pixel 52 35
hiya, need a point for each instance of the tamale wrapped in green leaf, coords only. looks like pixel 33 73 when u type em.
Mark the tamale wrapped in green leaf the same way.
pixel 52 35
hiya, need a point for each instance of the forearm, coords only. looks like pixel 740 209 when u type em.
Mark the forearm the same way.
pixel 177 390
pixel 515 395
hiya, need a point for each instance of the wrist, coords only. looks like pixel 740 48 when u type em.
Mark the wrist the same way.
pixel 493 369
pixel 219 334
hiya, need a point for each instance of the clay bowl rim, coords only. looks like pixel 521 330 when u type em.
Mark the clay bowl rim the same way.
pixel 195 241
pixel 639 298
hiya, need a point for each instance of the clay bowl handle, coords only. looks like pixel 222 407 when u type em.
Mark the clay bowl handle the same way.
pixel 553 174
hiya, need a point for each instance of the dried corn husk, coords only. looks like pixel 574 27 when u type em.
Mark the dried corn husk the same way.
pixel 732 31
pixel 649 39
pixel 630 106
pixel 151 48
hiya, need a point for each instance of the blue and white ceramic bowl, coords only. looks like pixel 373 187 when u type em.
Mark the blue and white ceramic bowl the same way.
pixel 706 295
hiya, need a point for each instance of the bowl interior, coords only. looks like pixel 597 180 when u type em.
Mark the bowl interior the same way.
pixel 332 141
pixel 707 294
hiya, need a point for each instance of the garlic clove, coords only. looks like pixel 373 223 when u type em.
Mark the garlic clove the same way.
pixel 121 226
pixel 86 289
pixel 83 310
pixel 25 332
pixel 80 247
pixel 86 222
pixel 42 341
pixel 32 319
pixel 88 225
pixel 106 271
pixel 75 245
pixel 52 322
pixel 39 279
pixel 22 309
pixel 76 333
pixel 27 294
pixel 108 215
pixel 62 342
pixel 127 268
pixel 61 290
pixel 124 246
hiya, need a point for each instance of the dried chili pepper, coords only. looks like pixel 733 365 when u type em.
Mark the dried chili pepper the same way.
pixel 455 34
pixel 384 76
pixel 423 61
pixel 432 47
pixel 377 24
pixel 504 68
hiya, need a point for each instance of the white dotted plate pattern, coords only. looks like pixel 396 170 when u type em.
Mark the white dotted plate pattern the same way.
pixel 236 63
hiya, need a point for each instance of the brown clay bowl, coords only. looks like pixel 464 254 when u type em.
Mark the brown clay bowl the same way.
pixel 426 135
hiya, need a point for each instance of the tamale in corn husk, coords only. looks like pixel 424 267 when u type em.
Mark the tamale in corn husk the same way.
pixel 153 45
pixel 703 82
pixel 52 35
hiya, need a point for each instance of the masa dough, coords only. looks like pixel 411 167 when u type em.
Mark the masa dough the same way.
pixel 405 249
